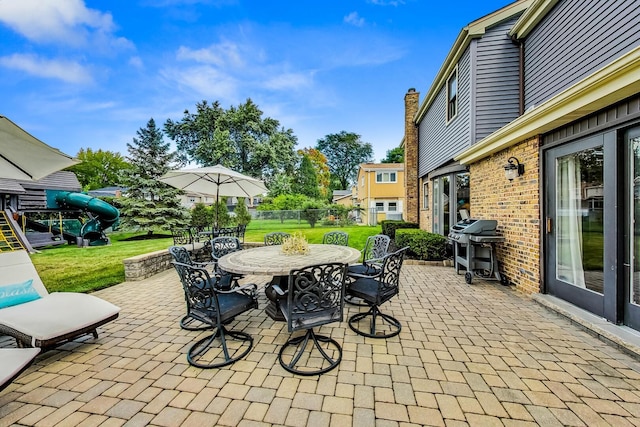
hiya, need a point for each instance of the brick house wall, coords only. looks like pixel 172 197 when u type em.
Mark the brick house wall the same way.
pixel 425 211
pixel 516 206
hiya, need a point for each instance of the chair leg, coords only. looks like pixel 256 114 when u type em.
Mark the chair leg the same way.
pixel 374 312
pixel 242 344
pixel 188 323
pixel 300 343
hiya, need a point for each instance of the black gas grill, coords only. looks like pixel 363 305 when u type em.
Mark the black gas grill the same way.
pixel 473 248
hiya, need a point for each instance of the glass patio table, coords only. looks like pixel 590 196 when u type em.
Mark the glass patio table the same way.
pixel 270 261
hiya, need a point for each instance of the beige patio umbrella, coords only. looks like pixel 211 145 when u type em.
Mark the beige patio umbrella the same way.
pixel 25 157
pixel 214 181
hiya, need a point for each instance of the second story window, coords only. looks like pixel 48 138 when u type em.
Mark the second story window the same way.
pixel 452 95
pixel 386 177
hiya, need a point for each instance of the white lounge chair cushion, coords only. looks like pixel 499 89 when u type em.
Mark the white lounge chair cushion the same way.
pixel 56 314
pixel 13 361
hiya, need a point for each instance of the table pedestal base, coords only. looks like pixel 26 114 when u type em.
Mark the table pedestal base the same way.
pixel 273 307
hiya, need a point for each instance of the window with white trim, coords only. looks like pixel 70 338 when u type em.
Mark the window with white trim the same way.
pixel 425 195
pixel 452 95
pixel 379 206
pixel 392 207
pixel 386 177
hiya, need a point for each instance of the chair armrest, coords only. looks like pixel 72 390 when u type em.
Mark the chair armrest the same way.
pixel 249 289
pixel 364 276
pixel 374 261
pixel 278 290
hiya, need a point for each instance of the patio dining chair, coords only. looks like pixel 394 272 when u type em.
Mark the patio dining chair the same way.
pixel 275 238
pixel 214 307
pixel 375 248
pixel 181 254
pixel 376 290
pixel 335 238
pixel 315 297
pixel 221 246
pixel 182 236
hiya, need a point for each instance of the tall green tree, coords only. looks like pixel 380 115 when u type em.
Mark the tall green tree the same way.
pixel 151 204
pixel 242 217
pixel 98 169
pixel 395 155
pixel 344 152
pixel 306 181
pixel 238 138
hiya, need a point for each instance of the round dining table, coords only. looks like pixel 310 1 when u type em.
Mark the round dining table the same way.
pixel 271 261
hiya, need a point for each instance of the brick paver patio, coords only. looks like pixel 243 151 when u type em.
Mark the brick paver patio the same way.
pixel 479 355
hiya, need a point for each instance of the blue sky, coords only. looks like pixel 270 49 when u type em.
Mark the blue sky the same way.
pixel 88 74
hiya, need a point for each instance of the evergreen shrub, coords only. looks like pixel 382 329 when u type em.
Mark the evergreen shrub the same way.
pixel 422 244
pixel 389 226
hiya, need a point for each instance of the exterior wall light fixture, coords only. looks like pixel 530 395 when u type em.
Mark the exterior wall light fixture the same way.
pixel 513 168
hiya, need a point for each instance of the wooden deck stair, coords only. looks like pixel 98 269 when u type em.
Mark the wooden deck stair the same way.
pixel 8 239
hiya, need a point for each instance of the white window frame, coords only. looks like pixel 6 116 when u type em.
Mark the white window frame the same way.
pixel 380 177
pixel 379 206
pixel 453 77
pixel 425 195
pixel 395 207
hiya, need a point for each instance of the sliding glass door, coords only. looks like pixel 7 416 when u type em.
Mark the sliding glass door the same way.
pixel 632 221
pixel 574 223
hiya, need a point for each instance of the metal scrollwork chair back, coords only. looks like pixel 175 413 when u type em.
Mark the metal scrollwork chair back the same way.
pixel 315 297
pixel 375 290
pixel 221 246
pixel 336 238
pixel 216 308
pixel 181 254
pixel 275 238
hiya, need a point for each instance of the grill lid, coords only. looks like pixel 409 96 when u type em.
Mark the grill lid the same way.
pixel 485 227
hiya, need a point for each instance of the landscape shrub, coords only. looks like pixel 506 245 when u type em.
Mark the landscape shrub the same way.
pixel 389 226
pixel 422 244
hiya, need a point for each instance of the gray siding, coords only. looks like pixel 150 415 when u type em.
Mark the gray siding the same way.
pixel 497 94
pixel 439 141
pixel 575 39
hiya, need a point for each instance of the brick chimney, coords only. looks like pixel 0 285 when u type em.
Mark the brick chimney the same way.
pixel 411 191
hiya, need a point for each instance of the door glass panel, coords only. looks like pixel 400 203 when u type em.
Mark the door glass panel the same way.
pixel 436 206
pixel 446 205
pixel 634 144
pixel 462 194
pixel 579 219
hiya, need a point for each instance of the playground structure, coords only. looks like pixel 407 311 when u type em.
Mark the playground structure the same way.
pixel 102 214
pixel 22 223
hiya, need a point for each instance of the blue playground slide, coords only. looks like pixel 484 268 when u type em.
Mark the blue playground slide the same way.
pixel 102 214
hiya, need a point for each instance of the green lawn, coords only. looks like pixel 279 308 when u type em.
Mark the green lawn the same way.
pixel 72 269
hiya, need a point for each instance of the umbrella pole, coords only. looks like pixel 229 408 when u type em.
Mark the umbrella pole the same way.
pixel 217 207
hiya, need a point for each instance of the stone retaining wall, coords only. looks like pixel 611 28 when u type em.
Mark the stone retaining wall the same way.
pixel 146 265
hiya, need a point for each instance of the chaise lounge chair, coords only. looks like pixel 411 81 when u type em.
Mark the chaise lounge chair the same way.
pixel 14 361
pixel 36 318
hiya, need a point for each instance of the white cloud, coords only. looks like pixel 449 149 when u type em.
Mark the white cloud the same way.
pixel 354 19
pixel 205 80
pixel 387 2
pixel 221 54
pixel 294 81
pixel 68 22
pixel 136 62
pixel 68 71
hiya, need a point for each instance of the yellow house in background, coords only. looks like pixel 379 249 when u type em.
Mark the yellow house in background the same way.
pixel 379 192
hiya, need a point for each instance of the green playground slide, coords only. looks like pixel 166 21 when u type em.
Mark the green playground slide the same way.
pixel 103 215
